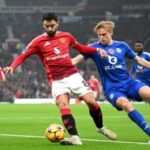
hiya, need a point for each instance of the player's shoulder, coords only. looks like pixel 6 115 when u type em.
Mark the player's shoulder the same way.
pixel 119 43
pixel 35 40
pixel 61 33
pixel 39 37
pixel 94 44
pixel 146 53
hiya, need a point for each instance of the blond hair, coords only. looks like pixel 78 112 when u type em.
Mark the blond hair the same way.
pixel 108 25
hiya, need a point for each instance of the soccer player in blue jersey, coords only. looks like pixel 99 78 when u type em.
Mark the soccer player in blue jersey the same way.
pixel 137 71
pixel 118 86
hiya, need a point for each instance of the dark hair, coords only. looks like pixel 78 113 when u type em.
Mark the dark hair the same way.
pixel 49 17
pixel 138 41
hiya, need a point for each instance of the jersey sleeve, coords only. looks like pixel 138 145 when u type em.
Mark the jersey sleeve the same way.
pixel 79 47
pixel 73 40
pixel 91 55
pixel 148 56
pixel 29 50
pixel 129 52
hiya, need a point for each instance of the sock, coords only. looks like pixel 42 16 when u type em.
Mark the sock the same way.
pixel 139 120
pixel 68 121
pixel 96 114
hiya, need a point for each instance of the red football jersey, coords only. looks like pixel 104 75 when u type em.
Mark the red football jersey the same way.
pixel 54 54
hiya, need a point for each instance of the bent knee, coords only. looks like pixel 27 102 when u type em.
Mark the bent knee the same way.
pixel 89 99
pixel 124 104
pixel 145 93
pixel 62 101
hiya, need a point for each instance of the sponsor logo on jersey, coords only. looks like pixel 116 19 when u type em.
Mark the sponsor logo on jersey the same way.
pixel 113 67
pixel 113 63
pixel 64 56
pixel 112 59
pixel 56 50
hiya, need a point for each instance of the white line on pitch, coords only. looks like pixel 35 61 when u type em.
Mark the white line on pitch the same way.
pixel 89 140
pixel 118 142
pixel 42 118
pixel 23 136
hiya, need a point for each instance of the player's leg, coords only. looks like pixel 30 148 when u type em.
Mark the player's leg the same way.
pixel 119 100
pixel 61 95
pixel 62 102
pixel 133 114
pixel 96 114
pixel 140 92
pixel 144 93
pixel 94 109
pixel 82 89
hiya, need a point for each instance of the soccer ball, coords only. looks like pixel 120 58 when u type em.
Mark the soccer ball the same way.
pixel 55 132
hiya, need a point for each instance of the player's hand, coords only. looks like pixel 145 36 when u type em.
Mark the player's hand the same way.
pixel 8 70
pixel 102 52
pixel 2 76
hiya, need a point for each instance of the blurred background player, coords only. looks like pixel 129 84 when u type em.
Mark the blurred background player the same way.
pixel 114 76
pixel 52 47
pixel 95 86
pixel 137 71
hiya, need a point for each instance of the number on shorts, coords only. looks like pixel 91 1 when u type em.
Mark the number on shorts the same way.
pixel 84 83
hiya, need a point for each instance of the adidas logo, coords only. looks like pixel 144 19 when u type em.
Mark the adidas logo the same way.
pixel 47 43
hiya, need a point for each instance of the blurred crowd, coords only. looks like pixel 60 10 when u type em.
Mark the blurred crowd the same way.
pixel 17 29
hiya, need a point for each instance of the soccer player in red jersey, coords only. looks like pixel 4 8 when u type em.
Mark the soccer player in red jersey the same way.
pixel 52 47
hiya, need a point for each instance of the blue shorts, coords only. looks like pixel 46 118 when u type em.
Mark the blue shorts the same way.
pixel 129 90
pixel 147 82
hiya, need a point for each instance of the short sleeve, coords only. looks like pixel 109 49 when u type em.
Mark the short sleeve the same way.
pixel 129 52
pixel 31 48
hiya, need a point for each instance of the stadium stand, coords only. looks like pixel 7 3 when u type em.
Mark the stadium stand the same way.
pixel 17 29
pixel 41 2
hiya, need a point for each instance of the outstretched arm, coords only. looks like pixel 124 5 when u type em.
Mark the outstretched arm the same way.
pixel 17 62
pixel 87 49
pixel 142 62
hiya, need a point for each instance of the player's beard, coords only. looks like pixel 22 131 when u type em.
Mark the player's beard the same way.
pixel 52 33
pixel 140 51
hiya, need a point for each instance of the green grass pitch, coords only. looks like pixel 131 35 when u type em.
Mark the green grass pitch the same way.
pixel 22 127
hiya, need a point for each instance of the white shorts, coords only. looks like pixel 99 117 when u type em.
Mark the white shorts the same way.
pixel 95 94
pixel 74 83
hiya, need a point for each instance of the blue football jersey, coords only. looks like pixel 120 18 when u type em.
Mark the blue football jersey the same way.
pixel 142 73
pixel 112 70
